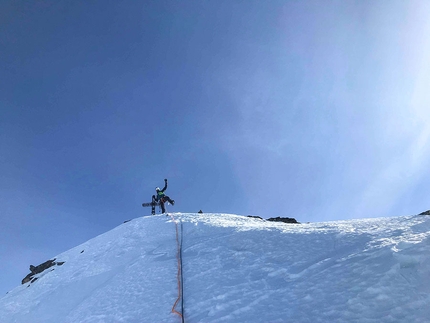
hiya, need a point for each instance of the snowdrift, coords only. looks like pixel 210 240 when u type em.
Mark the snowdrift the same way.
pixel 237 269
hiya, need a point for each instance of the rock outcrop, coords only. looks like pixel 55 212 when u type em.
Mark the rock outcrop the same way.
pixel 38 269
pixel 255 217
pixel 277 219
pixel 285 220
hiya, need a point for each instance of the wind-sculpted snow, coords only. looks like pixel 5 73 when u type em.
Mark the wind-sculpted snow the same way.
pixel 237 269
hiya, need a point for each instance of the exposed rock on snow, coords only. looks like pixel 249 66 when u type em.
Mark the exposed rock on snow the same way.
pixel 38 269
pixel 255 217
pixel 277 219
pixel 285 220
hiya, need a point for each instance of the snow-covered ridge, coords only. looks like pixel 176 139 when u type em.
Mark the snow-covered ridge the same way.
pixel 237 269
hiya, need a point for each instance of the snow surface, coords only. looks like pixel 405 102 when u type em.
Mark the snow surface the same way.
pixel 237 269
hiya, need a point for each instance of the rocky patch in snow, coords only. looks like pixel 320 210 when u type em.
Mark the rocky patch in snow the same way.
pixel 277 219
pixel 284 220
pixel 38 269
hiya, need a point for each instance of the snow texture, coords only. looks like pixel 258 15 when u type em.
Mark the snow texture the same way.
pixel 237 269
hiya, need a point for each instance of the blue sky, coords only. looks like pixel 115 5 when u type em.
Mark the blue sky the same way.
pixel 313 110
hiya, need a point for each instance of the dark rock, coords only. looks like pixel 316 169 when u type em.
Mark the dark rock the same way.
pixel 201 212
pixel 425 213
pixel 284 220
pixel 38 269
pixel 27 278
pixel 42 267
pixel 127 221
pixel 255 217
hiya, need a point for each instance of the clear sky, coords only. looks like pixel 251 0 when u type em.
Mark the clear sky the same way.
pixel 317 110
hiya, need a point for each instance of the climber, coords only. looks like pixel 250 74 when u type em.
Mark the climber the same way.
pixel 162 198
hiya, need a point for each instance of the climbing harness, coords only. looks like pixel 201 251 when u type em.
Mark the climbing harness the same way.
pixel 179 275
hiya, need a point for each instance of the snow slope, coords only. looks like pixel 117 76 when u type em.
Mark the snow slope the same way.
pixel 237 269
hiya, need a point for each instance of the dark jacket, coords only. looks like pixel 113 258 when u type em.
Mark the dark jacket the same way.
pixel 160 193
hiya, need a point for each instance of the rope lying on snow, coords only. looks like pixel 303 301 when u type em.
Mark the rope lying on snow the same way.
pixel 179 275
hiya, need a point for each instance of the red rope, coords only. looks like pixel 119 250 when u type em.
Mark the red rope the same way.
pixel 178 275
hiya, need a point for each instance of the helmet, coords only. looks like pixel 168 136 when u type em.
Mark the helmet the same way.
pixel 157 189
